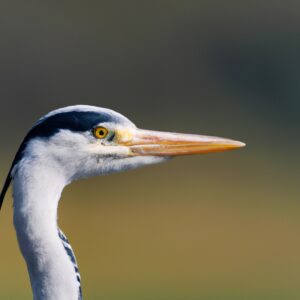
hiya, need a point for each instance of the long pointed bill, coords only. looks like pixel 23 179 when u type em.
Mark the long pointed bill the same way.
pixel 156 143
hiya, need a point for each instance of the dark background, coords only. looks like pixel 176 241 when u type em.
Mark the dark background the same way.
pixel 221 226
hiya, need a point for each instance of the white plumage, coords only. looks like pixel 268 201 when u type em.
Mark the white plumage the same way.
pixel 63 146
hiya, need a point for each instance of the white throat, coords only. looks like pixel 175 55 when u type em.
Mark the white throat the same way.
pixel 37 188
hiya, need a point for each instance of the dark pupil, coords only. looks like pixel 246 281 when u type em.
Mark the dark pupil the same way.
pixel 101 132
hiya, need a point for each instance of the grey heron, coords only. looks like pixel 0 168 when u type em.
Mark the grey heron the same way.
pixel 65 145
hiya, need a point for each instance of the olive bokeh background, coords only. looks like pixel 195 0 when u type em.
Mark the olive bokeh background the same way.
pixel 219 226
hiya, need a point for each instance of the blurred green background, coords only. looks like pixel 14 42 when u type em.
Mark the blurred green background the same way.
pixel 212 227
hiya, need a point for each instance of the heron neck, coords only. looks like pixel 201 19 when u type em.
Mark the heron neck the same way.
pixel 36 190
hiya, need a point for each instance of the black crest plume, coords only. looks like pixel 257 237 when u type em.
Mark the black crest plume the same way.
pixel 76 121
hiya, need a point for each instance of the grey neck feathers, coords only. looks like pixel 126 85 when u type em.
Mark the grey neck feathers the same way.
pixel 50 260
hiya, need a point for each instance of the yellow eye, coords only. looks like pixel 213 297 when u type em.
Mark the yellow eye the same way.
pixel 100 132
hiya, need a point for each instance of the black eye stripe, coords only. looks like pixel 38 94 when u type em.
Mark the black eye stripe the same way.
pixel 75 121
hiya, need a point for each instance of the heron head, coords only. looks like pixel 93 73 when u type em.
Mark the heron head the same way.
pixel 82 141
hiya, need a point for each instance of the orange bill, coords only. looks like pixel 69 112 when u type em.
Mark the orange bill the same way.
pixel 157 143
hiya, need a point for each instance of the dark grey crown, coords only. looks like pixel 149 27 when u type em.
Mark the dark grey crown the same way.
pixel 76 121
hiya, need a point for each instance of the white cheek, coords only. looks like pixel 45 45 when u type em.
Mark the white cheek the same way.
pixel 129 163
pixel 103 150
pixel 75 156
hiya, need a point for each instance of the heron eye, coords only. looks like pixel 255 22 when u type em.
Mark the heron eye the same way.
pixel 100 132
